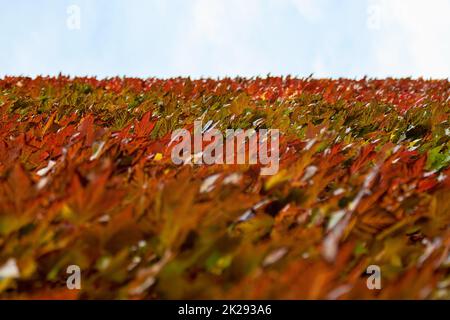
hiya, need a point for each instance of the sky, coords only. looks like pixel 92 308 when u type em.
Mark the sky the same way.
pixel 218 38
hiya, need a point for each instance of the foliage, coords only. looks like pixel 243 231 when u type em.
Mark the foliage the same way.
pixel 86 178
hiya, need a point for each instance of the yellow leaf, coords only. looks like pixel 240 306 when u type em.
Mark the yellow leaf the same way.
pixel 158 157
pixel 274 180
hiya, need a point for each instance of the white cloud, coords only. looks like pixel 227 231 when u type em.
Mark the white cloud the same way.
pixel 208 20
pixel 319 68
pixel 414 38
pixel 217 39
pixel 310 9
pixel 229 37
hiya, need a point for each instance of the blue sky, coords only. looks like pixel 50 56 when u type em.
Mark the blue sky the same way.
pixel 216 38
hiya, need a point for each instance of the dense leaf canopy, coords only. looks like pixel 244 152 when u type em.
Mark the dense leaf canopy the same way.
pixel 86 179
